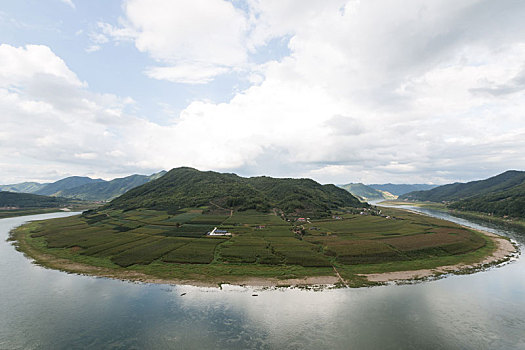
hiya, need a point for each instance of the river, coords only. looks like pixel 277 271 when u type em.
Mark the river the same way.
pixel 48 309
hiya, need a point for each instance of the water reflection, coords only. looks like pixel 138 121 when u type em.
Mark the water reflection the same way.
pixel 53 310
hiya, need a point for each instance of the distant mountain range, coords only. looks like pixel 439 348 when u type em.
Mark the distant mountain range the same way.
pixel 85 188
pixel 382 191
pixel 24 187
pixel 55 188
pixel 401 189
pixel 367 193
pixel 502 195
pixel 188 187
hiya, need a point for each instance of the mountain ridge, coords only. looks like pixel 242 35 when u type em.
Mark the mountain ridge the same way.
pixel 366 192
pixel 188 187
pixel 64 184
pixel 108 190
pixel 502 195
pixel 82 187
pixel 23 187
pixel 459 191
pixel 400 189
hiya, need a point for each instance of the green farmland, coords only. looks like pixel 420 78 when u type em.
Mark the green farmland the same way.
pixel 175 246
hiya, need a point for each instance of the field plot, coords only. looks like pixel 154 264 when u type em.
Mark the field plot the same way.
pixel 145 254
pixel 197 251
pixel 264 244
pixel 366 227
pixel 363 251
pixel 115 249
pixel 299 252
pixel 441 241
pixel 244 249
pixel 184 217
pixel 124 242
pixel 208 220
pixel 255 218
pixel 188 230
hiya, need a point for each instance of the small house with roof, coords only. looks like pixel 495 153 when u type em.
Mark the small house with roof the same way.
pixel 217 232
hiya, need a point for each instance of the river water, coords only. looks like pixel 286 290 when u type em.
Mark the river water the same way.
pixel 47 309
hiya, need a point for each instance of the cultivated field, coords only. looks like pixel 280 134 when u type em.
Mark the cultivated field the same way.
pixel 260 245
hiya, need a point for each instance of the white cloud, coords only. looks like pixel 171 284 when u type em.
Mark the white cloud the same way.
pixel 98 38
pixel 186 73
pixel 20 65
pixel 51 122
pixel 371 91
pixel 93 48
pixel 70 3
pixel 202 38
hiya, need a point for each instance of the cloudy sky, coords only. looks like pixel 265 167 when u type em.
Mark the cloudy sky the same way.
pixel 339 91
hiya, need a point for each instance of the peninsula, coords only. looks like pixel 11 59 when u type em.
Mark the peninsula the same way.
pixel 208 228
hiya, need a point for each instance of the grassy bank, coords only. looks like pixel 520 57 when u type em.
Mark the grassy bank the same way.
pixel 23 212
pixel 156 246
pixel 513 222
pixel 75 206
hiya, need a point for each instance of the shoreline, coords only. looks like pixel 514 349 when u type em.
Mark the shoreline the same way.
pixel 504 252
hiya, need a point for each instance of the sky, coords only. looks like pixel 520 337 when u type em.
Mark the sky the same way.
pixel 368 91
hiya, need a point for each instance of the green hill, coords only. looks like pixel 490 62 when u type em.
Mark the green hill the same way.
pixel 509 202
pixel 500 195
pixel 187 187
pixel 460 191
pixel 28 200
pixel 107 190
pixel 366 192
pixel 54 188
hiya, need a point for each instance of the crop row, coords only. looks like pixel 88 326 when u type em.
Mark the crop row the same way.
pixel 146 254
pixel 198 251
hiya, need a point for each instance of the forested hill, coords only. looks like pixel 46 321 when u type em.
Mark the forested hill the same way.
pixel 54 188
pixel 83 188
pixel 107 190
pixel 509 202
pixel 500 195
pixel 460 191
pixel 187 187
pixel 27 200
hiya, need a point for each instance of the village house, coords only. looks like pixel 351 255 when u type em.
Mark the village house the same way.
pixel 217 232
